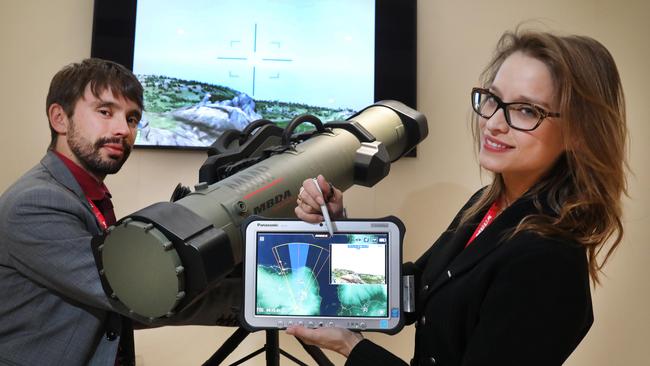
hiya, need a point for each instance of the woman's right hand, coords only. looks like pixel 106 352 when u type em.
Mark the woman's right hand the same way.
pixel 309 200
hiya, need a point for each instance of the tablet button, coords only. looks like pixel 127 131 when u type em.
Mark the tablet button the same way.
pixel 301 323
pixel 280 324
pixel 330 324
pixel 310 324
pixel 362 325
pixel 290 323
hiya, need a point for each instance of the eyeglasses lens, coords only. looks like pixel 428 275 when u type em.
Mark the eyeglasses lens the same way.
pixel 524 116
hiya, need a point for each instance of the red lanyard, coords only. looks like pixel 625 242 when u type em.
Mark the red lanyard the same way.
pixel 98 215
pixel 487 219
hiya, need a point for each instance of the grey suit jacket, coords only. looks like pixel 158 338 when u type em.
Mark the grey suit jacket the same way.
pixel 52 305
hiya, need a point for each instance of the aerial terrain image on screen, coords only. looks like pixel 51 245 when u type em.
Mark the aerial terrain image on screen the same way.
pixel 294 279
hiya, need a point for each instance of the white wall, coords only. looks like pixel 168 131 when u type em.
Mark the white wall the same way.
pixel 455 40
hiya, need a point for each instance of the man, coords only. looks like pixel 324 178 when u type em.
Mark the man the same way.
pixel 53 309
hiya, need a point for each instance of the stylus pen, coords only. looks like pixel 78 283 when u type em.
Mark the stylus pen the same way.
pixel 323 208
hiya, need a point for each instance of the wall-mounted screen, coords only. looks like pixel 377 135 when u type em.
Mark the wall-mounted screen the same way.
pixel 208 65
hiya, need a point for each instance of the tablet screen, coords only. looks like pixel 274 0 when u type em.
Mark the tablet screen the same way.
pixel 295 273
pixel 315 274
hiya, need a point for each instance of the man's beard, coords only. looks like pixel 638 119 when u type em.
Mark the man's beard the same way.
pixel 89 155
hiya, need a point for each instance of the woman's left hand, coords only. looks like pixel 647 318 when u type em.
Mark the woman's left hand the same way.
pixel 339 340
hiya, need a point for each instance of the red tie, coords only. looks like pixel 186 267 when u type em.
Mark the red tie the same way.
pixel 105 206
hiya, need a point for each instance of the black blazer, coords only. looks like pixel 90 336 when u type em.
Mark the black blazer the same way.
pixel 519 301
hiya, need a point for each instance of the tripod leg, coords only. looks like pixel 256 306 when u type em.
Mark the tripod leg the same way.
pixel 272 348
pixel 226 349
pixel 248 357
pixel 292 358
pixel 316 353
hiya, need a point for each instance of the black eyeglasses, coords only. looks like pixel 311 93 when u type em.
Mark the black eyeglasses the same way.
pixel 520 116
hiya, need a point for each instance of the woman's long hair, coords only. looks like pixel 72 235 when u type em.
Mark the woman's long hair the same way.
pixel 585 186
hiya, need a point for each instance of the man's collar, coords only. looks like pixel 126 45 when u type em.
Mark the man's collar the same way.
pixel 93 189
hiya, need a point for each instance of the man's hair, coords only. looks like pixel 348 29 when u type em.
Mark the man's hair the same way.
pixel 69 84
pixel 587 182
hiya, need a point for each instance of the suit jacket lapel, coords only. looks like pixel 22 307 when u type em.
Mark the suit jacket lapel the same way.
pixel 453 259
pixel 444 250
pixel 452 245
pixel 62 174
pixel 493 236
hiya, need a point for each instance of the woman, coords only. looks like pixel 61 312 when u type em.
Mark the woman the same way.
pixel 508 282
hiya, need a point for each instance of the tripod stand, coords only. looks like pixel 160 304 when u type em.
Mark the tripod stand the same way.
pixel 272 348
